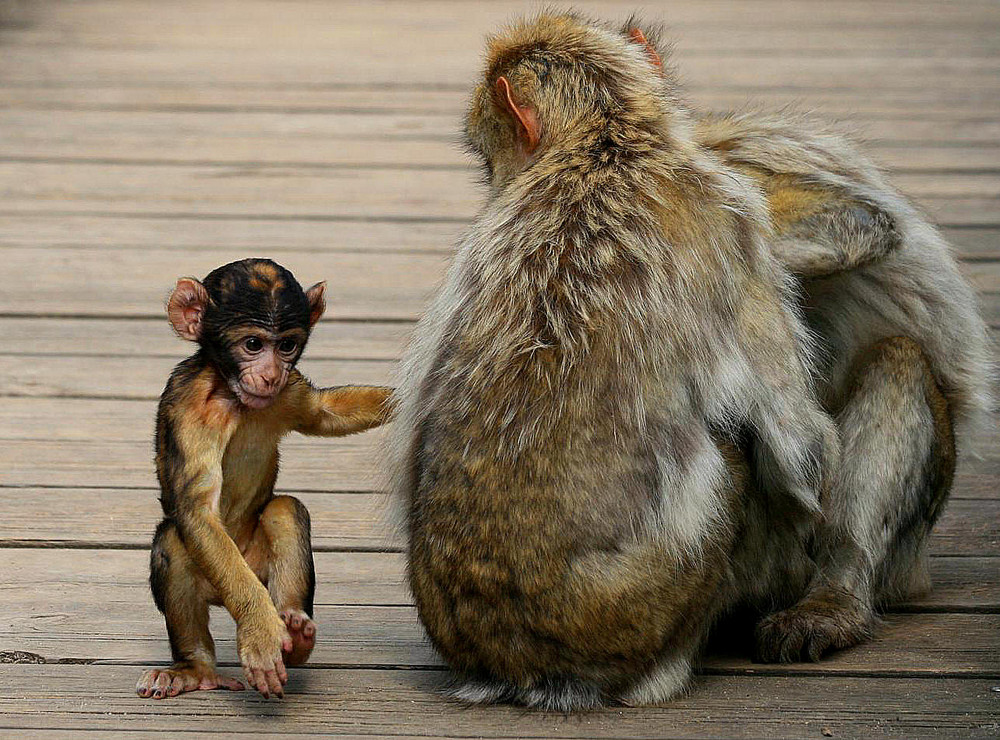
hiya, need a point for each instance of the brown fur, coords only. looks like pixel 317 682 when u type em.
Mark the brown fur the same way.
pixel 611 324
pixel 225 538
pixel 903 357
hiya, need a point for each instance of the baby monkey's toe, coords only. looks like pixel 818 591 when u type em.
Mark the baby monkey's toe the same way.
pixel 179 679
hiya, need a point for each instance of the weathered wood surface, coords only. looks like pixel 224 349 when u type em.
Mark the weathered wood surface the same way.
pixel 384 702
pixel 360 285
pixel 48 187
pixel 146 140
pixel 73 622
pixel 73 515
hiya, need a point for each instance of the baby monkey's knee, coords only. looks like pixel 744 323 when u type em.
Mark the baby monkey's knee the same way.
pixel 285 514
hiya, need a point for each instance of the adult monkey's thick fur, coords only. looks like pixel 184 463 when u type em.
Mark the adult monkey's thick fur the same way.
pixel 903 359
pixel 903 364
pixel 610 320
pixel 577 512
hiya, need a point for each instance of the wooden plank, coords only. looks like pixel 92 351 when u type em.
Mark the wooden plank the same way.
pixel 397 286
pixel 343 464
pixel 248 235
pixel 232 190
pixel 78 281
pixel 968 527
pixel 308 18
pixel 87 578
pixel 126 421
pixel 982 243
pixel 33 374
pixel 193 98
pixel 719 27
pixel 373 53
pixel 74 517
pixel 144 377
pixel 366 636
pixel 393 703
pixel 72 337
pixel 275 237
pixel 373 193
pixel 346 138
pixel 331 340
pixel 75 514
pixel 961 584
pixel 56 607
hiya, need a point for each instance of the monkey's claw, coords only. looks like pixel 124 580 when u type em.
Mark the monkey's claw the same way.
pixel 811 628
pixel 303 633
pixel 161 684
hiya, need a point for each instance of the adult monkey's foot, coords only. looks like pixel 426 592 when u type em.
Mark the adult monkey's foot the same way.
pixel 829 620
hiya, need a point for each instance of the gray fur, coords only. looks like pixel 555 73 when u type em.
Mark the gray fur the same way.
pixel 560 424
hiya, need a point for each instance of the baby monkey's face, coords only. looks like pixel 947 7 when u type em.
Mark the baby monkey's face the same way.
pixel 262 360
pixel 252 320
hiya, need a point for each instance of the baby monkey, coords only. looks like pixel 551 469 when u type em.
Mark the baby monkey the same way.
pixel 225 538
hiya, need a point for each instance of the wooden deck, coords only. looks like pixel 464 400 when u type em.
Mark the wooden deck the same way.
pixel 144 140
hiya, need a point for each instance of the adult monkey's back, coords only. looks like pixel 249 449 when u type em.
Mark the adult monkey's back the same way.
pixel 610 324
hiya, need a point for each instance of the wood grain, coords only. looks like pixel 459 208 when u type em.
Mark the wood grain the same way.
pixel 144 377
pixel 152 337
pixel 60 515
pixel 336 138
pixel 398 286
pixel 253 235
pixel 382 702
pixel 293 191
pixel 62 617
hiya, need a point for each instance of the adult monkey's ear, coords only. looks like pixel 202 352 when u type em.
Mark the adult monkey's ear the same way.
pixel 186 309
pixel 637 35
pixel 529 131
pixel 317 302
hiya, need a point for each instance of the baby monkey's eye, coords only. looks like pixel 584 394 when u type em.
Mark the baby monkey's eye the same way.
pixel 287 346
pixel 253 345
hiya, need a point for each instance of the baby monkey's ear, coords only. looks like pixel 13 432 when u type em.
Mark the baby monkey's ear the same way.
pixel 637 35
pixel 529 131
pixel 317 302
pixel 186 309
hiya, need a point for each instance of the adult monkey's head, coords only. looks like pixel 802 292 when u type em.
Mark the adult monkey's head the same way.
pixel 562 82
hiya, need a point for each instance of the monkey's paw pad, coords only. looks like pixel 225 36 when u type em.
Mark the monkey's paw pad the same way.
pixel 809 629
pixel 161 684
pixel 303 633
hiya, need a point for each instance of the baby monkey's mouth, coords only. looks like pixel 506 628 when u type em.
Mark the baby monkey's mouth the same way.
pixel 250 399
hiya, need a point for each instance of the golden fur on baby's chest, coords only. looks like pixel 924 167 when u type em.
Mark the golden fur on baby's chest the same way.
pixel 250 463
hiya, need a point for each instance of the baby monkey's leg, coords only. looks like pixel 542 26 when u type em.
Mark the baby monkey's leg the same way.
pixel 281 554
pixel 183 595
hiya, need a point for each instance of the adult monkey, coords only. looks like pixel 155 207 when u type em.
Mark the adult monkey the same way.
pixel 612 324
pixel 576 514
pixel 903 354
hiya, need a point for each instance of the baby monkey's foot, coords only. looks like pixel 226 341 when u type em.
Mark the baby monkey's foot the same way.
pixel 181 678
pixel 303 632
